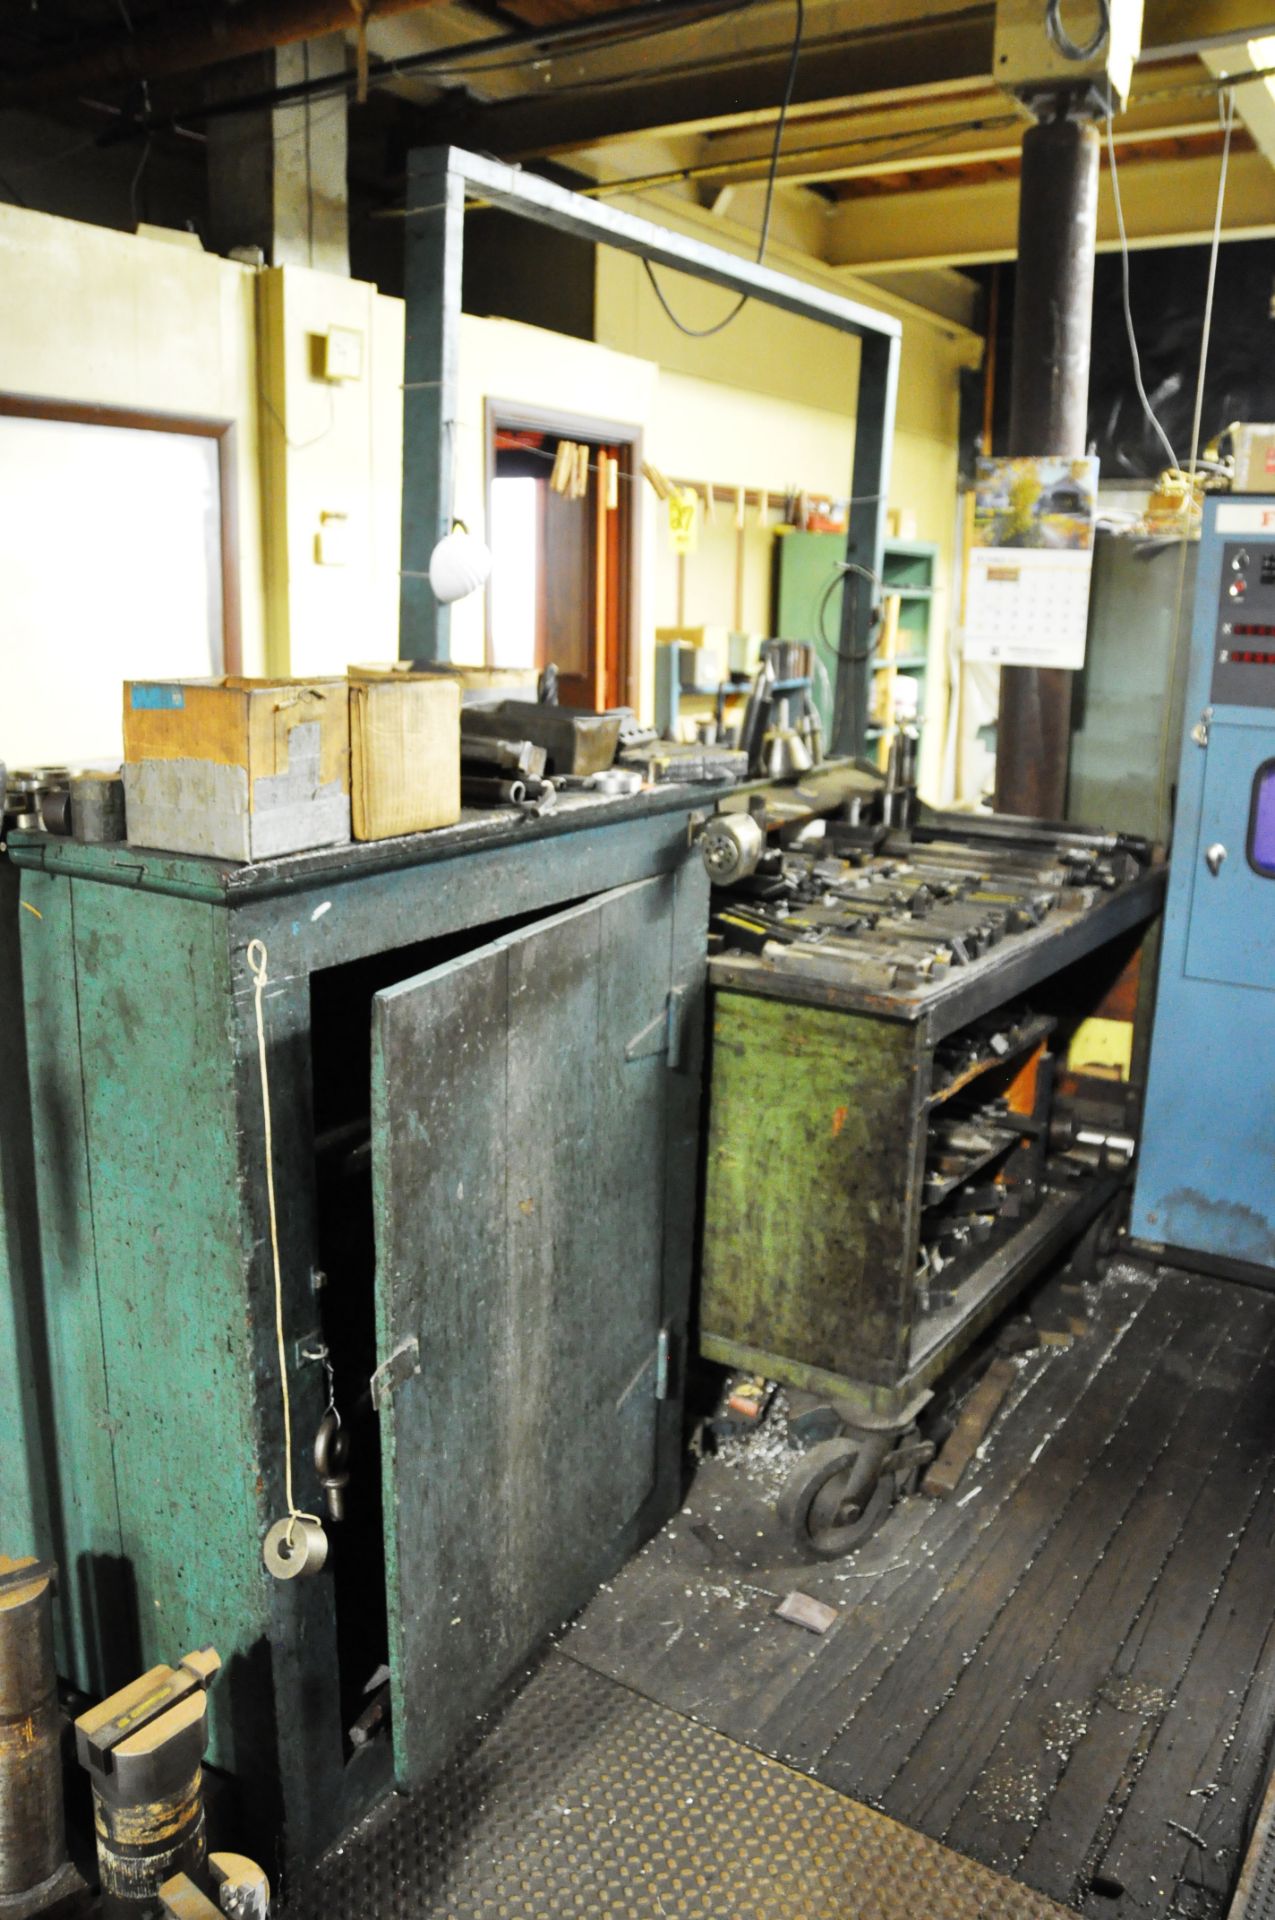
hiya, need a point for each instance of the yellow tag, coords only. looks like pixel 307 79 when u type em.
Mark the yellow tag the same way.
pixel 683 519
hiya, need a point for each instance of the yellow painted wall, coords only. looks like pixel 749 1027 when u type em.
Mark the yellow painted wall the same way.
pixel 332 471
pixel 89 315
pixel 768 403
pixel 790 384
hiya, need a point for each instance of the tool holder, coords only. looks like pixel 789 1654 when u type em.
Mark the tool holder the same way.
pixel 143 1750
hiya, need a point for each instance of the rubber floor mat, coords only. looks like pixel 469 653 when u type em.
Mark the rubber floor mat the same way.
pixel 586 1799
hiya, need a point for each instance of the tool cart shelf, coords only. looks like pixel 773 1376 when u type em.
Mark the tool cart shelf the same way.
pixel 483 1047
pixel 880 1180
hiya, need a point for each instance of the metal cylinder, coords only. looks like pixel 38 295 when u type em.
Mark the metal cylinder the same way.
pixel 1049 405
pixel 97 807
pixel 141 1846
pixel 32 1832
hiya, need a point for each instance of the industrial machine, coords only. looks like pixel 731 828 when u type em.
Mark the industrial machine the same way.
pixel 897 1143
pixel 1204 1186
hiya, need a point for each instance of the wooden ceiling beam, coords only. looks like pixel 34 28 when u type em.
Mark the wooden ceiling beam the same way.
pixel 905 153
pixel 1168 203
pixel 941 52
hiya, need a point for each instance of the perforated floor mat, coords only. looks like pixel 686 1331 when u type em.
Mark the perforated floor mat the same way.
pixel 586 1799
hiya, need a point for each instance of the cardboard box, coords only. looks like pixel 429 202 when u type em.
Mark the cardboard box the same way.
pixel 475 683
pixel 1253 443
pixel 241 769
pixel 404 752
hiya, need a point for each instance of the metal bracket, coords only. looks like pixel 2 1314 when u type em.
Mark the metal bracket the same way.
pixel 1200 731
pixel 663 1034
pixel 401 1365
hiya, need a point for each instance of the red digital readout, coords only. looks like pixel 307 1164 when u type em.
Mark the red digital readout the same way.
pixel 1248 658
pixel 1253 629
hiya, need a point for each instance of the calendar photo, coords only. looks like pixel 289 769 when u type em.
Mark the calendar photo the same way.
pixel 1027 585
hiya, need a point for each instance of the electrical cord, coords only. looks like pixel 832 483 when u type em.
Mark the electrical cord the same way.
pixel 706 333
pixel 1147 408
pixel 1069 48
pixel 856 656
pixel 1227 110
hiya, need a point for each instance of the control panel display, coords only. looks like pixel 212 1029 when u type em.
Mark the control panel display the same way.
pixel 1244 644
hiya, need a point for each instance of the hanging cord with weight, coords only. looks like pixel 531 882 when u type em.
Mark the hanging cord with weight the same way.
pixel 284 1554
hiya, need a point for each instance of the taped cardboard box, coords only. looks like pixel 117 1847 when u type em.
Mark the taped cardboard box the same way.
pixel 404 752
pixel 240 769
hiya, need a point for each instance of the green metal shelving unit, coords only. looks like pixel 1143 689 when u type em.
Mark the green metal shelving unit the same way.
pixel 804 565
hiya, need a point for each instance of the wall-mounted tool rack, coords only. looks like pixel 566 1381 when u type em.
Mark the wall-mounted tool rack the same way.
pixel 886 1012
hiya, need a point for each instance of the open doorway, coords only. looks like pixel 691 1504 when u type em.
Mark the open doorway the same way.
pixel 562 527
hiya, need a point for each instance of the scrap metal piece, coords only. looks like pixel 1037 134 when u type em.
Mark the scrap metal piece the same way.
pixel 243 1891
pixel 803 1611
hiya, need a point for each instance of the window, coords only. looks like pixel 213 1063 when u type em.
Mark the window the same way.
pixel 114 553
pixel 515 540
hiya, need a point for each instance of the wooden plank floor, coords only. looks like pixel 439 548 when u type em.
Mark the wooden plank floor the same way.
pixel 1065 1671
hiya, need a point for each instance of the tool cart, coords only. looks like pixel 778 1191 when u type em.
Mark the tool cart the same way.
pixel 895 1145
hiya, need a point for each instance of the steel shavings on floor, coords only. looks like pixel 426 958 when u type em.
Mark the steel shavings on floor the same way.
pixel 1065 1671
pixel 588 1800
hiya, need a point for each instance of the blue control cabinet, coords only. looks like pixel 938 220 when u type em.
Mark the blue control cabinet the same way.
pixel 1206 1175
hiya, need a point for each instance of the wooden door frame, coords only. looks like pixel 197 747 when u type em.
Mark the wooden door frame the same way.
pixel 23 406
pixel 520 417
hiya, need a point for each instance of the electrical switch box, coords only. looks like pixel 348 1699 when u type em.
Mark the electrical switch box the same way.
pixel 343 354
pixel 1088 47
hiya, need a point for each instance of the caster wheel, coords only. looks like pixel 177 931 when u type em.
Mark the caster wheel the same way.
pixel 1100 1240
pixel 838 1497
pixel 912 1457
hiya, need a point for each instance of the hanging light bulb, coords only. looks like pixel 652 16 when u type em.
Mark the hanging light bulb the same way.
pixel 459 564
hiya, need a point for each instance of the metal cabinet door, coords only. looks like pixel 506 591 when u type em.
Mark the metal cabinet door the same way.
pixel 1232 924
pixel 519 1112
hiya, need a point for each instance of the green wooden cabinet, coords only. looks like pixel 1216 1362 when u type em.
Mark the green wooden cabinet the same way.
pixel 483 1050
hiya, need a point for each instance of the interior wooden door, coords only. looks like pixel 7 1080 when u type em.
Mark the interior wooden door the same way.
pixel 520 1107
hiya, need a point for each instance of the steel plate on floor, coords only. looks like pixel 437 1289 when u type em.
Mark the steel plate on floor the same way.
pixel 588 1800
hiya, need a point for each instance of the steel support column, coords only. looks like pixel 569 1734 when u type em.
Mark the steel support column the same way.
pixel 433 251
pixel 1049 398
pixel 865 535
